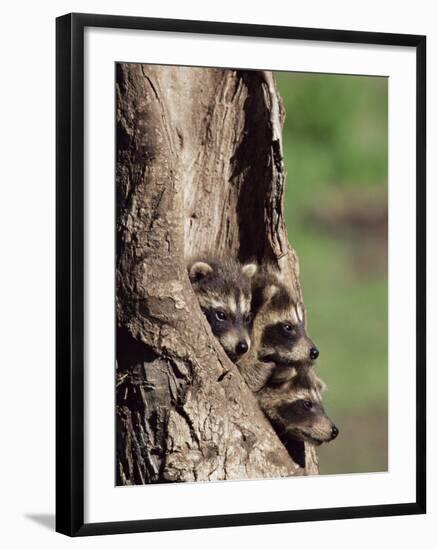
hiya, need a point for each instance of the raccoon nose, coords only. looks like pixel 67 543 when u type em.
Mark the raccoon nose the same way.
pixel 314 353
pixel 241 347
pixel 334 432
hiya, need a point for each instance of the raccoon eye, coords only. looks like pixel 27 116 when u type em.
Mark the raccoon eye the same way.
pixel 307 404
pixel 288 329
pixel 221 315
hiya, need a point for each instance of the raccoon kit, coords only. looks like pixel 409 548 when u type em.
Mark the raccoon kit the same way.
pixel 297 413
pixel 223 288
pixel 280 343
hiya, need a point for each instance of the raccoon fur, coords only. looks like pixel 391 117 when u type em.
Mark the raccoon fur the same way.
pixel 296 411
pixel 223 289
pixel 279 367
pixel 280 343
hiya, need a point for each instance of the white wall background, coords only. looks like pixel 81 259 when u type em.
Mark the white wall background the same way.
pixel 27 125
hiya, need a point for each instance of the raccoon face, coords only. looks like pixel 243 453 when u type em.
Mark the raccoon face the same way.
pixel 224 292
pixel 305 419
pixel 296 409
pixel 284 340
pixel 231 326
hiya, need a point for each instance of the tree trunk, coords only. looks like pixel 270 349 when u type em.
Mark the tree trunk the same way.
pixel 199 169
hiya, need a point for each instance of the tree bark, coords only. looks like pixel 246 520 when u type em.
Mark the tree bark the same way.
pixel 199 169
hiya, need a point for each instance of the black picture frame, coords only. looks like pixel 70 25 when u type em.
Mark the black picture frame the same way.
pixel 70 273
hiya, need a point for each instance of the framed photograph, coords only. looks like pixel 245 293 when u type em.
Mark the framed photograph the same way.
pixel 240 274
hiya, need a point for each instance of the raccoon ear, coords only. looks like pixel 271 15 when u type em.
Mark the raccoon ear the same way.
pixel 320 385
pixel 307 378
pixel 249 270
pixel 300 312
pixel 269 292
pixel 199 270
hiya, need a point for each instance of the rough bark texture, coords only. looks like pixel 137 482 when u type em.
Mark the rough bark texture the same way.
pixel 199 168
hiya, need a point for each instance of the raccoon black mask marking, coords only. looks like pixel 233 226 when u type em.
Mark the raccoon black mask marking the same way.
pixel 223 288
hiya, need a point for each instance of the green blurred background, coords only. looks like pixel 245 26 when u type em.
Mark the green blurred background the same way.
pixel 335 148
